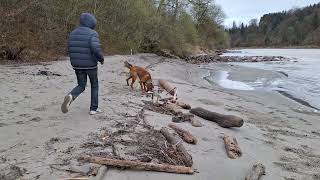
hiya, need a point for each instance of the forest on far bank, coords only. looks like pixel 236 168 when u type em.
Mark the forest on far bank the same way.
pixel 297 27
pixel 38 29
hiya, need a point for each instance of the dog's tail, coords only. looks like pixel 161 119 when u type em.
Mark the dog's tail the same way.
pixel 128 65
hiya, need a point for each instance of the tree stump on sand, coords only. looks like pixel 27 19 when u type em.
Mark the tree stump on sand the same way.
pixel 256 172
pixel 182 152
pixel 232 147
pixel 169 88
pixel 138 165
pixel 185 135
pixel 222 120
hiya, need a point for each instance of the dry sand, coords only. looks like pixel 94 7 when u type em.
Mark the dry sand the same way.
pixel 34 134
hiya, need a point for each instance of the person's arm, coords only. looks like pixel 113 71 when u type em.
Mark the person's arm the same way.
pixel 96 47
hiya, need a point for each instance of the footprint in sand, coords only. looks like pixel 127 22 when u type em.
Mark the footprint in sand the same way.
pixel 15 102
pixel 3 124
pixel 36 119
pixel 19 122
pixel 25 115
pixel 316 133
pixel 209 102
pixel 42 108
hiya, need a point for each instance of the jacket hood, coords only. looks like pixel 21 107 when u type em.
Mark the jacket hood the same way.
pixel 88 20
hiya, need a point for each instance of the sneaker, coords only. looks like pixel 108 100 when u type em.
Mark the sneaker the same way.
pixel 95 112
pixel 66 103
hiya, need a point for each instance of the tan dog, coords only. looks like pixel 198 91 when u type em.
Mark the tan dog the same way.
pixel 144 76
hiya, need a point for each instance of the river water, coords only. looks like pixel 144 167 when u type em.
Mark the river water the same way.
pixel 303 70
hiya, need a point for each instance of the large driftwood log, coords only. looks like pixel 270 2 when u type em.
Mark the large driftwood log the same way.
pixel 169 88
pixel 256 172
pixel 222 120
pixel 138 165
pixel 185 135
pixel 232 147
pixel 185 156
pixel 173 108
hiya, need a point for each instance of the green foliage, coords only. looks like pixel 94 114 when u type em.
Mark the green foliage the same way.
pixel 141 25
pixel 297 27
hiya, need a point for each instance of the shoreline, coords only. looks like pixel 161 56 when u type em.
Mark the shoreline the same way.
pixel 298 100
pixel 241 80
pixel 277 132
pixel 289 47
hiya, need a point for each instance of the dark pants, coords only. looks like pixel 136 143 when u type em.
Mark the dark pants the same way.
pixel 82 82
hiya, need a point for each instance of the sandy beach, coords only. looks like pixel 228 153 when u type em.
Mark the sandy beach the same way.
pixel 34 134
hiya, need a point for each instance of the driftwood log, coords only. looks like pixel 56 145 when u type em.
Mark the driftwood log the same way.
pixel 232 147
pixel 138 165
pixel 169 88
pixel 256 172
pixel 185 135
pixel 222 120
pixel 76 178
pixel 185 156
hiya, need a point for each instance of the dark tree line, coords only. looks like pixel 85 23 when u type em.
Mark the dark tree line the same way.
pixel 297 27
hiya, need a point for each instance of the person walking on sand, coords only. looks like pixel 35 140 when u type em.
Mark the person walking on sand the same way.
pixel 85 52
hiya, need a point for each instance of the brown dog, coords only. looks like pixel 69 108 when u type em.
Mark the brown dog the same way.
pixel 144 76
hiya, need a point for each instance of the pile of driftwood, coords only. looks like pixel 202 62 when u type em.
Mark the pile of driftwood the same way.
pixel 201 59
pixel 161 150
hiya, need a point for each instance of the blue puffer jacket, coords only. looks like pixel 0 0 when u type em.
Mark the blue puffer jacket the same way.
pixel 84 45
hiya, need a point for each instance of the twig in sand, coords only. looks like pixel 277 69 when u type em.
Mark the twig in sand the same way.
pixel 75 178
pixel 140 117
pixel 138 165
pixel 101 172
pixel 66 169
pixel 13 146
pixel 114 150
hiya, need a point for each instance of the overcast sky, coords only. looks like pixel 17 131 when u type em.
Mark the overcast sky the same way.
pixel 244 10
